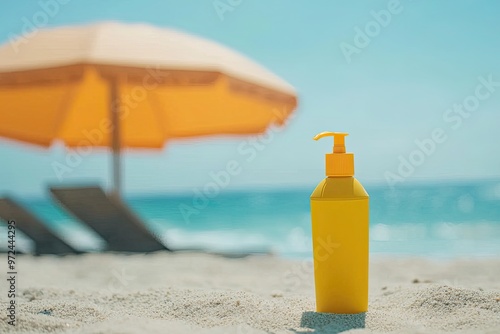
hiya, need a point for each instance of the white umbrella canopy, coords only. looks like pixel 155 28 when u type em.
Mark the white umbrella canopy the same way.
pixel 133 45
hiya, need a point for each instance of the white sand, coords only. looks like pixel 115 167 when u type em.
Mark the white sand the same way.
pixel 199 293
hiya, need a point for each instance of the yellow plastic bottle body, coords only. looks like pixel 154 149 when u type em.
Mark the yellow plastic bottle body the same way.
pixel 340 231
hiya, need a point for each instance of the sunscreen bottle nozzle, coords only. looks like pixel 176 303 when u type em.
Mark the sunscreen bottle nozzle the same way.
pixel 338 163
pixel 338 140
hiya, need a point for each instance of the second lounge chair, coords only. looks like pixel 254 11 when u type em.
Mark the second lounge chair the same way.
pixel 110 217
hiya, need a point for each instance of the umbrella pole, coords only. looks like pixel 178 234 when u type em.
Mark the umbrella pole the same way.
pixel 115 139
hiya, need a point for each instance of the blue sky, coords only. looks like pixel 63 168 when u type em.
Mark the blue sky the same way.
pixel 394 91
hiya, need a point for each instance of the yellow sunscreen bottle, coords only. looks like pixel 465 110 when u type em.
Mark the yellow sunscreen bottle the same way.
pixel 339 215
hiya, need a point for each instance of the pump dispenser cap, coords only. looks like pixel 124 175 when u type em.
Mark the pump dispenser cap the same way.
pixel 338 163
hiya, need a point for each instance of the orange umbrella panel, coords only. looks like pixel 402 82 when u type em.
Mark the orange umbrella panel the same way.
pixel 151 110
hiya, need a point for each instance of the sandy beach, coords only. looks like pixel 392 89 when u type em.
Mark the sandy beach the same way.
pixel 202 293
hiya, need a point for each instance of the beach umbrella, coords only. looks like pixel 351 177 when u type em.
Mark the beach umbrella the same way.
pixel 122 85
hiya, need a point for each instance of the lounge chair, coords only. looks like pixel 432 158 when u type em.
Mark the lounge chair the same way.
pixel 110 217
pixel 46 242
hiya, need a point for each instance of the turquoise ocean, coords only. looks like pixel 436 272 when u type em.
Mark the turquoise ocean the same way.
pixel 442 220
